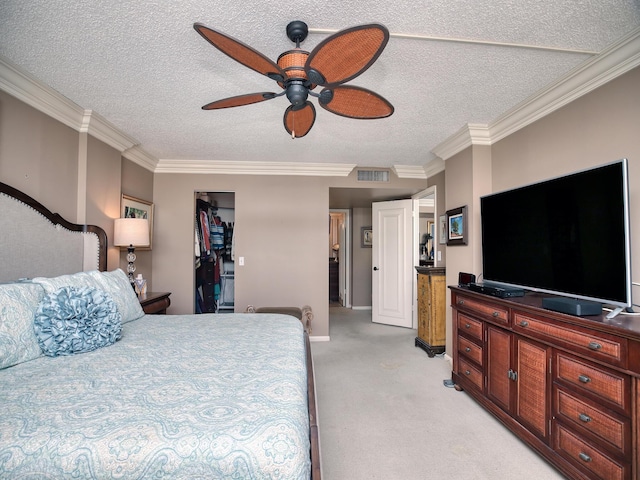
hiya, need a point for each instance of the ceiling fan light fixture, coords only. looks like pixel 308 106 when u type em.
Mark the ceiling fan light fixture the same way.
pixel 336 60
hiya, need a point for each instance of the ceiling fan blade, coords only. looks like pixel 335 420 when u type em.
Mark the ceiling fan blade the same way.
pixel 239 100
pixel 298 121
pixel 241 53
pixel 346 54
pixel 355 102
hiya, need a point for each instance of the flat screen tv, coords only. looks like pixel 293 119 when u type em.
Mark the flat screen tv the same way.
pixel 567 236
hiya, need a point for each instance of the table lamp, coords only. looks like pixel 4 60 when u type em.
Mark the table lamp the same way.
pixel 131 233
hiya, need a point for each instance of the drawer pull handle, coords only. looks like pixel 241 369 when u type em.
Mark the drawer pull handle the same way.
pixel 468 325
pixel 467 372
pixel 584 379
pixel 584 457
pixel 460 302
pixel 524 323
pixel 496 314
pixel 584 417
pixel 595 346
pixel 468 349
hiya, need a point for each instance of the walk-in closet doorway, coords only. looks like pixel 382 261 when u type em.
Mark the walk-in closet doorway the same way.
pixel 214 258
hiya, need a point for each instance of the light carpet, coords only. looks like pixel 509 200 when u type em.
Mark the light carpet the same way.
pixel 384 412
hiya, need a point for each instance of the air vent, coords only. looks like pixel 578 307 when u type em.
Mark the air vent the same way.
pixel 373 175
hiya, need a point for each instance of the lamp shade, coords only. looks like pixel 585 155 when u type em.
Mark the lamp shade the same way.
pixel 131 231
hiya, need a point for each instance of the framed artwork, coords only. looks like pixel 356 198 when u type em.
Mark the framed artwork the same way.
pixel 442 229
pixel 366 237
pixel 131 207
pixel 457 226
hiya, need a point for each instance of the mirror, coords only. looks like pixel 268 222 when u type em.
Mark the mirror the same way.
pixel 427 228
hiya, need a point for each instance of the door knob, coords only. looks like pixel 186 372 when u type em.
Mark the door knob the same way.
pixel 375 269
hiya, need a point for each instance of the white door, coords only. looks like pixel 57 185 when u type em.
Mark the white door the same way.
pixel 392 261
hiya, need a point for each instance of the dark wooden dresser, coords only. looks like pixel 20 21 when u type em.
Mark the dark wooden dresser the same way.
pixel 567 386
pixel 155 302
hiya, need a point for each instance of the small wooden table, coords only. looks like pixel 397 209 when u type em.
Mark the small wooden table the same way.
pixel 155 302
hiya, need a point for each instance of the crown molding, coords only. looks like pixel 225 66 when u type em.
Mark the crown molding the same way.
pixel 141 157
pixel 616 60
pixel 99 127
pixel 21 85
pixel 469 134
pixel 409 171
pixel 18 83
pixel 434 167
pixel 253 168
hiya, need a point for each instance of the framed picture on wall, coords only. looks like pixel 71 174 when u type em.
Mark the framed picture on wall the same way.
pixel 457 226
pixel 367 237
pixel 132 207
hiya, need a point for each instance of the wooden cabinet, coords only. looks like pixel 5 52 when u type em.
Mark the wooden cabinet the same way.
pixel 567 386
pixel 432 310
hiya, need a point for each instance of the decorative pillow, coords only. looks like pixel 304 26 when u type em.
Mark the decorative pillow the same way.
pixel 52 284
pixel 18 305
pixel 117 284
pixel 76 320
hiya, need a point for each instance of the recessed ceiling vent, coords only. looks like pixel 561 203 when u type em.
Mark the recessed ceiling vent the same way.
pixel 373 175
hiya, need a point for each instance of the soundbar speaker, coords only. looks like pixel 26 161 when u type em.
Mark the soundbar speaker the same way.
pixel 572 306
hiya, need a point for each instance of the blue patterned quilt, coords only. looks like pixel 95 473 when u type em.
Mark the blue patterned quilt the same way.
pixel 179 396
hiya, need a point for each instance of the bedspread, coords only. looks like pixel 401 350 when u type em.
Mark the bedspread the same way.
pixel 179 396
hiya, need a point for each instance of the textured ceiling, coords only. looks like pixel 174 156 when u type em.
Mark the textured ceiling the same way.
pixel 141 66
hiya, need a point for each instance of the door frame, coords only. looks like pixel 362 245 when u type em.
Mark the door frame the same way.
pixel 344 257
pixel 416 240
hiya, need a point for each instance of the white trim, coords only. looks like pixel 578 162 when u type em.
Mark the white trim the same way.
pixel 365 307
pixel 18 83
pixel 139 156
pixel 319 338
pixel 610 64
pixel 253 168
pixel 434 167
pixel 34 93
pixel 409 171
pixel 412 36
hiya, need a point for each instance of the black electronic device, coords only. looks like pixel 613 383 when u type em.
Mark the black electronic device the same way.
pixel 464 279
pixel 572 306
pixel 496 291
pixel 568 236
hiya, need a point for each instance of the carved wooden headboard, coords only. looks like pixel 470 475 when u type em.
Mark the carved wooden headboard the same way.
pixel 34 242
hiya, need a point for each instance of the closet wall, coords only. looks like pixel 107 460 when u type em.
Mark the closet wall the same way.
pixel 214 252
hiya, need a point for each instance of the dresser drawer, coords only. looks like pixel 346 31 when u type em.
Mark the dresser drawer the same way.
pixel 494 312
pixel 586 457
pixel 604 384
pixel 470 372
pixel 610 429
pixel 598 345
pixel 470 326
pixel 471 350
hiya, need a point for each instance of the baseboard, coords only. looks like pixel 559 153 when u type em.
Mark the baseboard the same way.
pixel 319 338
pixel 362 308
pixel 449 359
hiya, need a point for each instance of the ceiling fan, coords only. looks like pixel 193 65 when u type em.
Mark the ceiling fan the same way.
pixel 335 61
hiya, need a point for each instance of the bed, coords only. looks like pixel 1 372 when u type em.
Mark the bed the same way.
pixel 120 394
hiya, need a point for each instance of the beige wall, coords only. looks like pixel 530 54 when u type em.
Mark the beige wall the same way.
pixel 597 128
pixel 281 227
pixel 137 182
pixel 360 260
pixel 39 156
pixel 71 173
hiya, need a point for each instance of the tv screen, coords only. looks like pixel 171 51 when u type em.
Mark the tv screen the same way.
pixel 567 236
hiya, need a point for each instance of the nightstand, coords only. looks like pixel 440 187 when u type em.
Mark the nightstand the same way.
pixel 155 302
